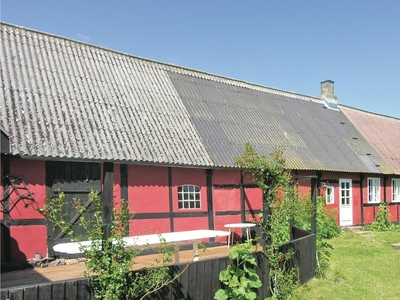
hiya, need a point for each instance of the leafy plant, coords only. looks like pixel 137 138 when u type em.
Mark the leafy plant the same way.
pixel 284 202
pixel 240 278
pixel 382 220
pixel 109 261
pixel 280 200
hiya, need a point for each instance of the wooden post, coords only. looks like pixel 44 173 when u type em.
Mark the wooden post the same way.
pixel 242 199
pixel 266 215
pixel 314 201
pixel 6 222
pixel 107 198
pixel 362 198
pixel 210 207
pixel 124 191
pixel 171 202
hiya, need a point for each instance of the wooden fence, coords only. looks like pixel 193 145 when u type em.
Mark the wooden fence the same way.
pixel 200 281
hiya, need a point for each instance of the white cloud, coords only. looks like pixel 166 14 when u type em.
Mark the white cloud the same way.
pixel 83 37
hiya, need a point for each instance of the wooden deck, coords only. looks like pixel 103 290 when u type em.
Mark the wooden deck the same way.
pixel 68 272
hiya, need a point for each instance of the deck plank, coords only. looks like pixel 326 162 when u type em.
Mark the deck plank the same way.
pixel 68 272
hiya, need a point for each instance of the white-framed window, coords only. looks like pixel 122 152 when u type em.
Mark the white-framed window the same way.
pixel 396 189
pixel 330 199
pixel 188 196
pixel 374 190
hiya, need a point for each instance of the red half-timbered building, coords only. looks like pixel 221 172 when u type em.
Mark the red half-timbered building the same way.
pixel 76 117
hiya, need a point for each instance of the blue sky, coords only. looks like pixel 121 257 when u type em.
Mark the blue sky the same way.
pixel 289 45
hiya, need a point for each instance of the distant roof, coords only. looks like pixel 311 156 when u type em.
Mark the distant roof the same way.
pixel 382 132
pixel 67 99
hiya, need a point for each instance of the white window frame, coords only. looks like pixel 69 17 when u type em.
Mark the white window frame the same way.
pixel 189 196
pixel 374 190
pixel 395 189
pixel 330 196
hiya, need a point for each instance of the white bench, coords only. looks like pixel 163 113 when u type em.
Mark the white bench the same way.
pixel 244 226
pixel 194 236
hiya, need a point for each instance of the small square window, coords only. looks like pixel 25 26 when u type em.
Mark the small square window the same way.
pixel 189 197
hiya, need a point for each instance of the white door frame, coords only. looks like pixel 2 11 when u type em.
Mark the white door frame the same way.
pixel 345 202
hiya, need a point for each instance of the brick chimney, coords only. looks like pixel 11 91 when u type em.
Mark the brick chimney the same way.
pixel 327 89
pixel 328 95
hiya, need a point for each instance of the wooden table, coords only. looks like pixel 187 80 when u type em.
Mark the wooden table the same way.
pixel 243 226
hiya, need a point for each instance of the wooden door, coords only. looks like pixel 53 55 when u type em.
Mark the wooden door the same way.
pixel 75 180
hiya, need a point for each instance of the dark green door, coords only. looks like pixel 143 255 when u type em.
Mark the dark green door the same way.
pixel 75 180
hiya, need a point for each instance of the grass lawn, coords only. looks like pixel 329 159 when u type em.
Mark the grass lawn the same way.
pixel 362 266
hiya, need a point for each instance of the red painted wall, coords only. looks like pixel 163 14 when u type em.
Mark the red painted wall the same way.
pixel 28 240
pixel 226 199
pixel 117 183
pixel 148 192
pixel 139 227
pixel 229 200
pixel 148 189
pixel 33 174
pixel 194 223
pixel 253 202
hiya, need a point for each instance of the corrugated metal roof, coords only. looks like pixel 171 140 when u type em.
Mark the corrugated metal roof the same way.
pixel 382 132
pixel 62 98
pixel 313 137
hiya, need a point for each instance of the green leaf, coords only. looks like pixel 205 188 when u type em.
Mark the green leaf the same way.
pixel 221 295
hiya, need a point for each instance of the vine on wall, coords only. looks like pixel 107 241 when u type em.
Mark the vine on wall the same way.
pixel 108 261
pixel 283 202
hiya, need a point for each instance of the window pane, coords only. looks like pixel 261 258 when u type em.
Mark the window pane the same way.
pixel 373 190
pixel 189 196
pixel 396 190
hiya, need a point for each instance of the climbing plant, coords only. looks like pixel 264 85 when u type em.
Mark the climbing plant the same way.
pixel 108 261
pixel 283 202
pixel 280 197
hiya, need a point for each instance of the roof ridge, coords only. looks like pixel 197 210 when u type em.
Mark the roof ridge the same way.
pixel 369 112
pixel 181 69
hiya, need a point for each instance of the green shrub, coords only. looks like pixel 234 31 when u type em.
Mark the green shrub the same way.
pixel 382 220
